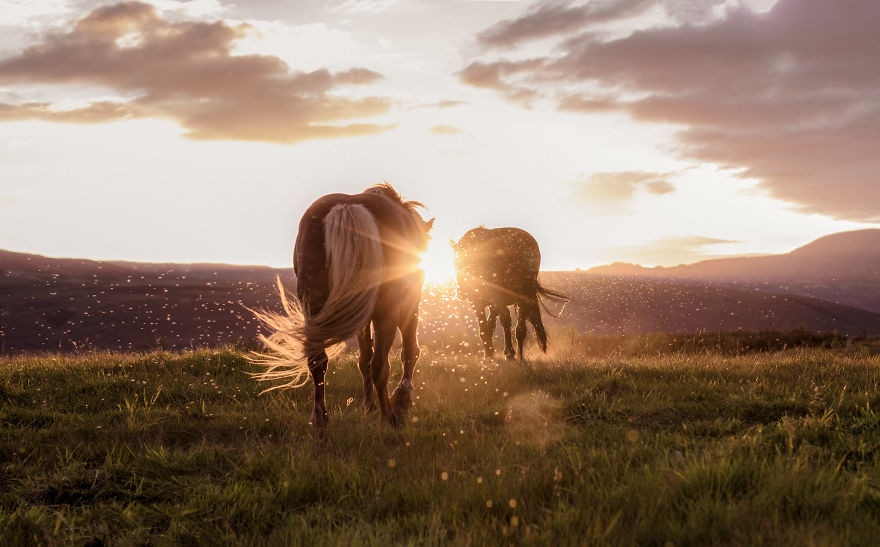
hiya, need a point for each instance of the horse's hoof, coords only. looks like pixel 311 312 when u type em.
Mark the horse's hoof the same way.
pixel 396 419
pixel 397 416
pixel 401 398
pixel 401 402
pixel 510 356
pixel 370 406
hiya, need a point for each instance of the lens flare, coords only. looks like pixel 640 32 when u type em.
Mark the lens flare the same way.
pixel 438 263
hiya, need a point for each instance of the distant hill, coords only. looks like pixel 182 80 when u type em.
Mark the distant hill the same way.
pixel 49 304
pixel 618 305
pixel 63 303
pixel 842 268
pixel 30 266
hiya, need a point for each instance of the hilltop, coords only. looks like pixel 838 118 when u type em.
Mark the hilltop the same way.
pixel 842 268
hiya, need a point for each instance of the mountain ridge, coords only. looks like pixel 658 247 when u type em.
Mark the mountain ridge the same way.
pixel 843 268
pixel 49 304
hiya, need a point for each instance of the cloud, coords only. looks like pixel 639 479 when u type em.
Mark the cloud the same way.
pixel 676 250
pixel 448 103
pixel 667 252
pixel 185 71
pixel 659 187
pixel 496 76
pixel 609 192
pixel 691 242
pixel 98 112
pixel 554 18
pixel 364 6
pixel 789 96
pixel 447 130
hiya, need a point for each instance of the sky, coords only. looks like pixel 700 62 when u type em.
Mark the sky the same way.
pixel 645 131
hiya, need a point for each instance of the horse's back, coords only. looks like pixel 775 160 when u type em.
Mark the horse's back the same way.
pixel 310 259
pixel 506 260
pixel 517 247
pixel 390 221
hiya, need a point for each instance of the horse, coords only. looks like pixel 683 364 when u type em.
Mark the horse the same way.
pixel 356 261
pixel 497 268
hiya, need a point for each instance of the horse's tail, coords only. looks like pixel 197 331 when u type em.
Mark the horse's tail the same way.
pixel 540 331
pixel 354 272
pixel 542 292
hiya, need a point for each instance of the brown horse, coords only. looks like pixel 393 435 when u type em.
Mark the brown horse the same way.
pixel 356 261
pixel 496 268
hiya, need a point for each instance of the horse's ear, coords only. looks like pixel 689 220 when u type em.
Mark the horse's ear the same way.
pixel 429 225
pixel 453 244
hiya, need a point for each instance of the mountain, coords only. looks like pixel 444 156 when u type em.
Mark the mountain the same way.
pixel 50 304
pixel 23 266
pixel 842 268
pixel 64 303
pixel 620 305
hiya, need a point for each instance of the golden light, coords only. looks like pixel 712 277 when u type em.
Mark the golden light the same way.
pixel 438 262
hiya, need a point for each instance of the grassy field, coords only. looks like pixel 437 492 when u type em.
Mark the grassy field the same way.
pixel 675 449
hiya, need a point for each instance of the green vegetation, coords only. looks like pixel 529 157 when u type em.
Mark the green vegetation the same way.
pixel 738 342
pixel 682 449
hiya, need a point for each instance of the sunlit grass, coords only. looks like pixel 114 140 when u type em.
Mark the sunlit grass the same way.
pixel 691 449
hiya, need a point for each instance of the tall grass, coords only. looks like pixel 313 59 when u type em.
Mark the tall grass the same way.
pixel 672 448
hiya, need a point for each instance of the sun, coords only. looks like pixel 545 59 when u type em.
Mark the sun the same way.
pixel 438 263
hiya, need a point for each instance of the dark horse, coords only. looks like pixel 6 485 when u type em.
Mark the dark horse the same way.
pixel 496 268
pixel 357 265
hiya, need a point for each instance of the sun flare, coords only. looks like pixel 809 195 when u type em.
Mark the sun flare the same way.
pixel 438 263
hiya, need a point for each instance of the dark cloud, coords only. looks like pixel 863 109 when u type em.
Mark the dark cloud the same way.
pixel 551 19
pixel 186 71
pixel 790 96
pixel 496 76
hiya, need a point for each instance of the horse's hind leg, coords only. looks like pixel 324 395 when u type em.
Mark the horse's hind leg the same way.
pixel 318 368
pixel 521 314
pixel 401 397
pixel 385 330
pixel 504 316
pixel 486 319
pixel 365 344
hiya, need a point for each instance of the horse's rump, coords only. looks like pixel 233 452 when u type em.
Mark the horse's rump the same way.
pixel 500 263
pixel 339 271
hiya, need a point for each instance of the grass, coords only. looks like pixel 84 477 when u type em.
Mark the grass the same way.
pixel 675 449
